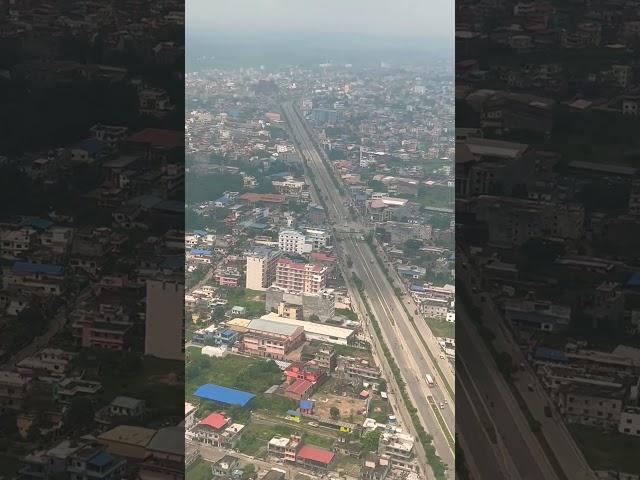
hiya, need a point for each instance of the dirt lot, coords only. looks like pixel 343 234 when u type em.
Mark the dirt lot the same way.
pixel 351 409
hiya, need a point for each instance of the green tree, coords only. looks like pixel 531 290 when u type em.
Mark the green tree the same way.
pixel 80 412
pixel 249 471
pixel 218 313
pixel 377 186
pixel 334 412
pixel 370 441
pixel 412 246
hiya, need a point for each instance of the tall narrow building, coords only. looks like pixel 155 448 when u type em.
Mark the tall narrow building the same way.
pixel 164 334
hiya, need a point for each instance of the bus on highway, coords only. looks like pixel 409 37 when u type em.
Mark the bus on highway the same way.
pixel 430 381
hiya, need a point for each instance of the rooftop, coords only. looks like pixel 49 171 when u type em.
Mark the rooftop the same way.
pixel 229 396
pixel 311 327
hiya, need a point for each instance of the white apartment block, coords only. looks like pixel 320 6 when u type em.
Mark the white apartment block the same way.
pixel 261 269
pixel 292 241
pixel 297 277
pixel 318 238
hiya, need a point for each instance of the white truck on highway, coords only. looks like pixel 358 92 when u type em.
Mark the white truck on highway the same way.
pixel 430 381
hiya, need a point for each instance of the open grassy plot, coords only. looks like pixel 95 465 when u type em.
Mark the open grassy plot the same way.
pixel 253 375
pixel 256 436
pixel 380 409
pixel 442 328
pixel 157 381
pixel 8 466
pixel 200 470
pixel 349 314
pixel 603 451
pixel 252 300
pixel 243 373
pixel 438 196
pixel 350 465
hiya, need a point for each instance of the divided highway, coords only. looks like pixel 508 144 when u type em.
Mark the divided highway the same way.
pixel 399 333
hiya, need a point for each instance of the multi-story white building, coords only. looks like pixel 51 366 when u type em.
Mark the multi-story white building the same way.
pixel 298 277
pixel 400 449
pixel 261 268
pixel 318 238
pixel 292 241
pixel 164 320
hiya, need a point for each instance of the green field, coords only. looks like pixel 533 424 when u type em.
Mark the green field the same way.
pixel 156 381
pixel 252 300
pixel 604 451
pixel 442 328
pixel 8 466
pixel 253 375
pixel 200 470
pixel 381 416
pixel 349 314
pixel 256 436
pixel 437 196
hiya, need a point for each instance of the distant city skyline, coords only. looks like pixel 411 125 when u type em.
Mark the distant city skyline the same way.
pixel 411 20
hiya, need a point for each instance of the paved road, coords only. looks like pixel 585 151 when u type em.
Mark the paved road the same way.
pixel 398 332
pixel 213 454
pixel 554 429
pixel 482 377
pixel 58 321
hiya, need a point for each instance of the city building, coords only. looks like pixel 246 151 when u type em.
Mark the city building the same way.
pixel 537 315
pixel 315 458
pixel 399 447
pixel 318 238
pixel 316 331
pixel 285 448
pixel 95 464
pixel 13 390
pixel 375 467
pixel 270 339
pixel 164 333
pixel 261 268
pixel 299 277
pixel 292 241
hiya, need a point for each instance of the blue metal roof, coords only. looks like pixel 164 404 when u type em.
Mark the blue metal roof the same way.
pixel 35 222
pixel 228 333
pixel 634 281
pixel 102 459
pixel 224 200
pixel 229 396
pixel 416 288
pixel 200 233
pixel 91 145
pixel 293 413
pixel 26 267
pixel 170 206
pixel 199 251
pixel 551 354
pixel 306 404
pixel 174 262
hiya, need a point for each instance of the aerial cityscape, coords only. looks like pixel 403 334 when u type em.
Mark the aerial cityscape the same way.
pixel 311 225
pixel 91 240
pixel 320 269
pixel 546 209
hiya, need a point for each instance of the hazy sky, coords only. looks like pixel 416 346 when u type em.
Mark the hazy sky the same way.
pixel 411 19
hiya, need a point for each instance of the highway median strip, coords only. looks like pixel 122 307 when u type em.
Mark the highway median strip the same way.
pixel 437 465
pixel 413 323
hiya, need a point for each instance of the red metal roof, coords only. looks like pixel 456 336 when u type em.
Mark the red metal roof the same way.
pixel 157 137
pixel 316 454
pixel 299 386
pixel 216 420
pixel 262 197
